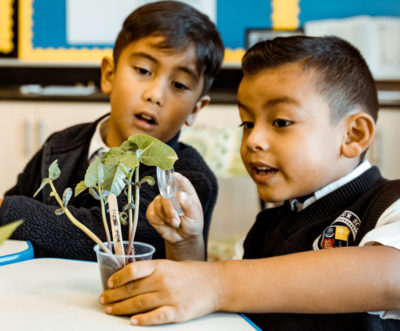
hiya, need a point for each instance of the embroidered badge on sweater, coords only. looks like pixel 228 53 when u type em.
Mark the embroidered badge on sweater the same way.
pixel 341 233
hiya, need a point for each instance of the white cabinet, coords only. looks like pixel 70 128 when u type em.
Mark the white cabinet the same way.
pixel 385 150
pixel 17 128
pixel 24 126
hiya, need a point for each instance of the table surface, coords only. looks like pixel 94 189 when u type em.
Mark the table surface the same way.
pixel 59 294
pixel 9 247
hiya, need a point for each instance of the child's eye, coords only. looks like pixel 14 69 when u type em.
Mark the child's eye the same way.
pixel 142 71
pixel 247 125
pixel 180 86
pixel 280 123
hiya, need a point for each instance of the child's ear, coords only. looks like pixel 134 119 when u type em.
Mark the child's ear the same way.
pixel 107 74
pixel 360 128
pixel 200 104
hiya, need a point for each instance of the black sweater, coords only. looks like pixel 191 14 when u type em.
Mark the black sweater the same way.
pixel 56 236
pixel 280 231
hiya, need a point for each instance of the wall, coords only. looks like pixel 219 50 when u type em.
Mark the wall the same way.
pixel 41 32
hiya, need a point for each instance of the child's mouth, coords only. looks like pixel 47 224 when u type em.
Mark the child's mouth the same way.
pixel 263 170
pixel 146 118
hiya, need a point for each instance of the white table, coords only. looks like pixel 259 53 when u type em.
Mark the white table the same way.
pixel 57 294
pixel 15 251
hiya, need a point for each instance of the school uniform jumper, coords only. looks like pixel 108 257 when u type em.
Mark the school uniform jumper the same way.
pixel 341 218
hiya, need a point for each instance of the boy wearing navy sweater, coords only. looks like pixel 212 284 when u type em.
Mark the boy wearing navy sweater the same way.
pixel 165 59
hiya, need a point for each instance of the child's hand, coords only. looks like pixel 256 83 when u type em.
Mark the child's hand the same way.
pixel 162 291
pixel 183 235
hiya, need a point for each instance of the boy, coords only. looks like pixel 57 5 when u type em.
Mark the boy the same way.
pixel 164 61
pixel 308 108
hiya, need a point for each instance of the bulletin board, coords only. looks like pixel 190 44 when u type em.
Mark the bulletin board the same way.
pixel 74 30
pixel 42 34
pixel 8 28
pixel 41 30
pixel 46 35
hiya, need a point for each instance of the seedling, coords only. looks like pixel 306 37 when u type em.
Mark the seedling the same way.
pixel 115 172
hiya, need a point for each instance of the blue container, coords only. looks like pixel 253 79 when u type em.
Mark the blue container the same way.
pixel 12 251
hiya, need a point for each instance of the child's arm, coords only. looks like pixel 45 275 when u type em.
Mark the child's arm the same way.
pixel 183 235
pixel 339 280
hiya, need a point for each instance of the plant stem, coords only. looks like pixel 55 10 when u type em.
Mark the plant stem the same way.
pixel 104 217
pixel 78 224
pixel 130 200
pixel 136 214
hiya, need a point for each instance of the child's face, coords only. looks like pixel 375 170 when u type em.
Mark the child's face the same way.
pixel 152 91
pixel 289 147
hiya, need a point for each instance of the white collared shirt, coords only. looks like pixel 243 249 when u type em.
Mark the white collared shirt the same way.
pixel 97 145
pixel 298 205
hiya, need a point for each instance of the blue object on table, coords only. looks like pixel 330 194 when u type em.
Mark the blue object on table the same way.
pixel 250 322
pixel 12 251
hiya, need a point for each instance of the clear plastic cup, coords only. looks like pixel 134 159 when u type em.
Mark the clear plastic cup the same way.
pixel 108 264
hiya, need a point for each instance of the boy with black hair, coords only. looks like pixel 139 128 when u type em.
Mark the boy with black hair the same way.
pixel 164 61
pixel 330 253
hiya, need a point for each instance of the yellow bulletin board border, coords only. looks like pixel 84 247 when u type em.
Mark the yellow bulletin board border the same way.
pixel 6 26
pixel 27 52
pixel 284 16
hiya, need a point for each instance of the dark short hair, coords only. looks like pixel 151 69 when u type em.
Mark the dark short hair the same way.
pixel 340 73
pixel 181 25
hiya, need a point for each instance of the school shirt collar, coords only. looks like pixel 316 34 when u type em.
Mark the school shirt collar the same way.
pixel 297 205
pixel 97 145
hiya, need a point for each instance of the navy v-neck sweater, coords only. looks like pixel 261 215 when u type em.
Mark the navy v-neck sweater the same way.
pixel 280 231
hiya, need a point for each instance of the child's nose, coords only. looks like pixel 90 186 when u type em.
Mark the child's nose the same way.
pixel 155 92
pixel 257 140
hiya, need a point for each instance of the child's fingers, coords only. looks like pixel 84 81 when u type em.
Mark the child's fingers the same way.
pixel 168 212
pixel 132 271
pixel 162 315
pixel 184 184
pixel 161 212
pixel 135 304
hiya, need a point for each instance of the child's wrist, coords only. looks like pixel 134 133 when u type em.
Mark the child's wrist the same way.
pixel 218 276
pixel 189 248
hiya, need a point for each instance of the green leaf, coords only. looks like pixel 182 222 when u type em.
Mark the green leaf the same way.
pixel 115 178
pixel 100 173
pixel 119 155
pixel 130 160
pixel 105 195
pixel 66 196
pixel 92 173
pixel 43 184
pixel 148 179
pixel 54 170
pixel 80 187
pixel 128 206
pixel 151 151
pixel 59 211
pixel 94 193
pixel 7 230
pixel 123 218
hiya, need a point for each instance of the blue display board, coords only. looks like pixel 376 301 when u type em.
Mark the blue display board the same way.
pixel 44 24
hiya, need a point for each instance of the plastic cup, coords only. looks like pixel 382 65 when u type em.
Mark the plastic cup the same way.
pixel 108 264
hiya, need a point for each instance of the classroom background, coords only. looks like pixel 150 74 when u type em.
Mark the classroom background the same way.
pixel 50 52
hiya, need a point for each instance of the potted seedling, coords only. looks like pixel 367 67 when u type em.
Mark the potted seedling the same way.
pixel 106 178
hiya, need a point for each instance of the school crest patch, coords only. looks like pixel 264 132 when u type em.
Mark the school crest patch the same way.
pixel 341 233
